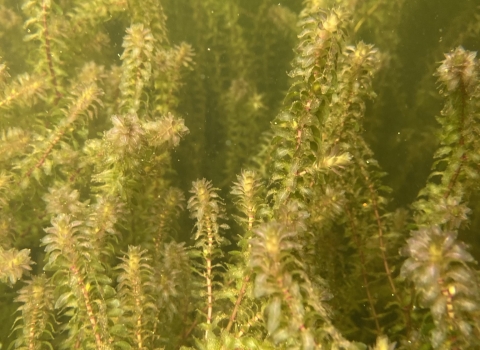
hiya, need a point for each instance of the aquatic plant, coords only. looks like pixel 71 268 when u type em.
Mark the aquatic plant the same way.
pixel 110 108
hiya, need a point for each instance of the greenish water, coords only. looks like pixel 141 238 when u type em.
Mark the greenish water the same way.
pixel 110 109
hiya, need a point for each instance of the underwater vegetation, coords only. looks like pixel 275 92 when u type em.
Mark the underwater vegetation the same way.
pixel 239 174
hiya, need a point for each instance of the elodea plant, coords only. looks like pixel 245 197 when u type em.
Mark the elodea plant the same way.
pixel 306 250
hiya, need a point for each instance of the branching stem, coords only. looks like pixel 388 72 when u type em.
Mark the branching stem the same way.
pixel 461 142
pixel 48 52
pixel 88 306
pixel 208 276
pixel 46 153
pixel 237 303
pixel 383 246
pixel 356 238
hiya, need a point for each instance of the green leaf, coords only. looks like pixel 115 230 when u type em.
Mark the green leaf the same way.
pixel 274 311
pixel 118 329
pixel 122 345
pixel 63 300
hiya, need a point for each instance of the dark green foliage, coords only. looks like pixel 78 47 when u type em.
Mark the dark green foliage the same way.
pixel 207 209
pixel 438 263
pixel 135 287
pixel 110 108
pixel 36 314
pixel 14 263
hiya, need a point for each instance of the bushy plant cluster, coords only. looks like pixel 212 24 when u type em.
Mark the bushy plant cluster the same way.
pixel 110 108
